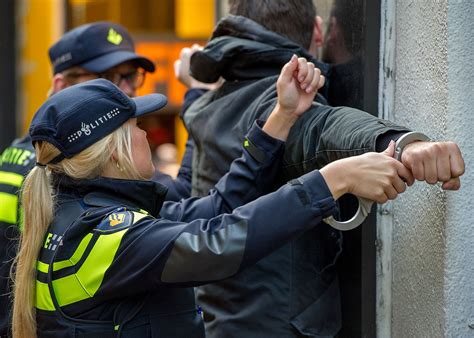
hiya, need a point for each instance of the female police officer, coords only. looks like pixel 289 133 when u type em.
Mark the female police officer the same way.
pixel 97 260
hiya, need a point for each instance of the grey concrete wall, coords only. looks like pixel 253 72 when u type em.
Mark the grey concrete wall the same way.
pixel 433 238
pixel 459 273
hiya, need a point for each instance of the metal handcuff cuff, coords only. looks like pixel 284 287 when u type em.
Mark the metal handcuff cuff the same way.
pixel 365 205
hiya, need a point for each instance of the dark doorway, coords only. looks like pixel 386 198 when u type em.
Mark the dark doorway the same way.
pixel 351 45
pixel 8 73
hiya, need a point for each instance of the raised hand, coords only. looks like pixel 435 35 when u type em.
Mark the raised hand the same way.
pixel 375 176
pixel 435 162
pixel 181 70
pixel 297 86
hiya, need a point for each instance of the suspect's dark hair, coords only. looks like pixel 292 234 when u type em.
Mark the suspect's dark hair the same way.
pixel 293 19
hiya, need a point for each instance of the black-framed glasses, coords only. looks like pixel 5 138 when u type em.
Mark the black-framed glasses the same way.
pixel 134 79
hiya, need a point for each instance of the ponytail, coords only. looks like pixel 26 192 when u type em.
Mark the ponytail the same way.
pixel 38 216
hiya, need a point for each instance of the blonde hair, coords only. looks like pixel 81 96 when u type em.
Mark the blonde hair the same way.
pixel 88 164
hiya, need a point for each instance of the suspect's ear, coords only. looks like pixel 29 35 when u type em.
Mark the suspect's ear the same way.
pixel 318 35
pixel 317 38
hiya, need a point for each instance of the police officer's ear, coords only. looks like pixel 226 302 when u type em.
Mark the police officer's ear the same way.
pixel 59 83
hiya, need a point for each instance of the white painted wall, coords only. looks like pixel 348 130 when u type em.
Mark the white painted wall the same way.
pixel 432 249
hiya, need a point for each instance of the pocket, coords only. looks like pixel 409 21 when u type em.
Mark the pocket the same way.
pixel 323 317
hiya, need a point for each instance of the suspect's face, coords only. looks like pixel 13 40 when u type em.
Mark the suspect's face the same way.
pixel 141 151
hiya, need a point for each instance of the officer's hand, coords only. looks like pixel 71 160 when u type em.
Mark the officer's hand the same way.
pixel 182 66
pixel 297 86
pixel 375 176
pixel 435 162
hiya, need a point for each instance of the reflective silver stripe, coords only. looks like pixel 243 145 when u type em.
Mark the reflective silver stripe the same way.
pixel 206 256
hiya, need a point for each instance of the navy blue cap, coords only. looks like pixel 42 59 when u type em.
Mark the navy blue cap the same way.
pixel 96 47
pixel 78 116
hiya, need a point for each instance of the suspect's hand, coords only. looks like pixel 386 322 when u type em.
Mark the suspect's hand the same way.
pixel 182 66
pixel 435 162
pixel 297 86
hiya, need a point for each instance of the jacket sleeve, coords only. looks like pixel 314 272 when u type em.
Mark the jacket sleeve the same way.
pixel 326 134
pixel 158 252
pixel 250 176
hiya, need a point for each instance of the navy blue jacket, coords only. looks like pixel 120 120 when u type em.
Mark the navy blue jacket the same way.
pixel 117 261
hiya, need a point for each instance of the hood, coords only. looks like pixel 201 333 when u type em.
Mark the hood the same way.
pixel 241 49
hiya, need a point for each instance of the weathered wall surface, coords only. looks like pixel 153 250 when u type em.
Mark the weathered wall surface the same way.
pixel 421 101
pixel 459 265
pixel 433 236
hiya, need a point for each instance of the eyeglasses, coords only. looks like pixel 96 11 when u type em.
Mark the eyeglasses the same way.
pixel 134 79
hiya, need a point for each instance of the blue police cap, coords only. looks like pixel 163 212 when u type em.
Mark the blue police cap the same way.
pixel 96 47
pixel 78 116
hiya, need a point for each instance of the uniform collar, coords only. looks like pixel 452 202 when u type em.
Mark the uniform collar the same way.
pixel 103 192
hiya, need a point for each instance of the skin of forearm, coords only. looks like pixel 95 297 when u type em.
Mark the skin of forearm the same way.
pixel 336 174
pixel 279 123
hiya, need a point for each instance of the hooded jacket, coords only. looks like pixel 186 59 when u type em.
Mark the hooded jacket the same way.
pixel 294 291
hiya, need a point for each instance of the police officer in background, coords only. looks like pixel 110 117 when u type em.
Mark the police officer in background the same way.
pixel 15 162
pixel 97 50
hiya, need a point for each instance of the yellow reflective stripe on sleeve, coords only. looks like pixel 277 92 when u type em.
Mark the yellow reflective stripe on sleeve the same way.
pixel 99 260
pixel 9 178
pixel 76 256
pixel 42 267
pixel 87 280
pixel 8 208
pixel 43 298
pixel 70 290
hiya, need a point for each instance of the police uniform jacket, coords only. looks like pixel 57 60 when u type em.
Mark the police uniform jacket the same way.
pixel 15 162
pixel 116 261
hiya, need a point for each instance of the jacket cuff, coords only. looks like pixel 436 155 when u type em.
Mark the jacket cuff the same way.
pixel 260 145
pixel 383 140
pixel 317 193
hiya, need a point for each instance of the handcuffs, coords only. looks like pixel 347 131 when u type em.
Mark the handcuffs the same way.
pixel 365 205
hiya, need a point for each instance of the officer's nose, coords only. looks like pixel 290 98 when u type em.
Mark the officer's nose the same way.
pixel 127 89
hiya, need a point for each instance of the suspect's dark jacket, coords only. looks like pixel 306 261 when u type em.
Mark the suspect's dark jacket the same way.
pixel 294 291
pixel 121 263
pixel 15 162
